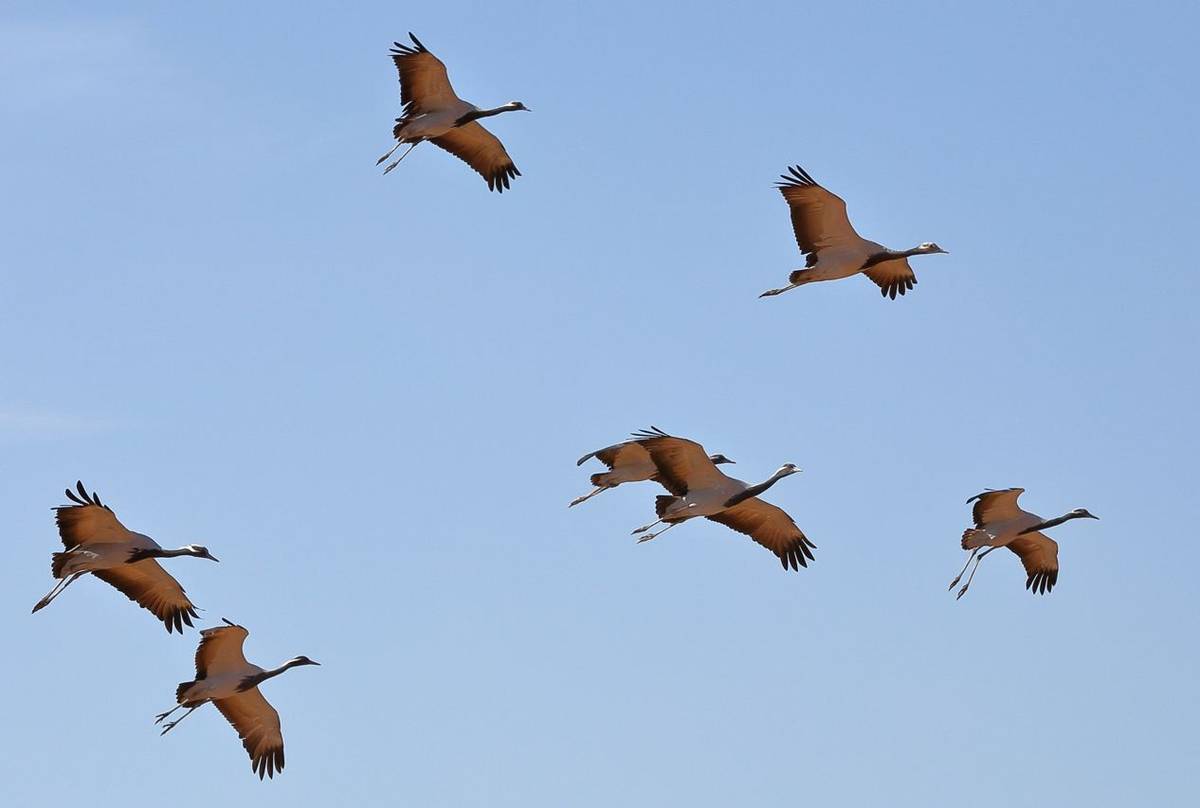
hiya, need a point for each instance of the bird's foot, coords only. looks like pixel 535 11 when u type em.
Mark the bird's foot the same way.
pixel 647 537
pixel 771 293
pixel 954 583
pixel 576 501
pixel 961 592
pixel 158 719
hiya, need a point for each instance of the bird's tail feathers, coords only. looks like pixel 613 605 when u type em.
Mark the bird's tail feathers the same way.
pixel 662 503
pixel 974 537
pixel 58 561
pixel 181 690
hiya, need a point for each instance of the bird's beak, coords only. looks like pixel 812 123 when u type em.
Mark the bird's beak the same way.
pixel 1093 516
pixel 314 662
pixel 213 558
pixel 943 252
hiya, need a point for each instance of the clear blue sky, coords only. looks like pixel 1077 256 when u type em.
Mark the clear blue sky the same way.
pixel 366 395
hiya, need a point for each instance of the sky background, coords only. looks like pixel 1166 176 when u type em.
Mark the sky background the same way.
pixel 366 396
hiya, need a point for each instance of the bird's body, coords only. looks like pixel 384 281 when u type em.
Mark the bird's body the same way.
pixel 433 112
pixel 628 462
pixel 96 542
pixel 1001 522
pixel 832 248
pixel 225 678
pixel 699 489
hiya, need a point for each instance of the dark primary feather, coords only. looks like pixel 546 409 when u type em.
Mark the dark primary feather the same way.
pixel 152 588
pixel 257 724
pixel 1039 555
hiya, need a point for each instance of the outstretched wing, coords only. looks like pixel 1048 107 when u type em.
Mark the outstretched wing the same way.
pixel 88 522
pixel 1039 553
pixel 482 151
pixel 893 277
pixel 619 454
pixel 220 651
pixel 257 724
pixel 818 216
pixel 153 589
pixel 424 85
pixel 770 526
pixel 681 463
pixel 996 506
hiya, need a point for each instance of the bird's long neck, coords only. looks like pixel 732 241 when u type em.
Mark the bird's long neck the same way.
pixel 476 114
pixel 159 552
pixel 1058 520
pixel 259 678
pixel 755 490
pixel 890 255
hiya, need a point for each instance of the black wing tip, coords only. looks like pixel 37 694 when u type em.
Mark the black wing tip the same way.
pixel 796 177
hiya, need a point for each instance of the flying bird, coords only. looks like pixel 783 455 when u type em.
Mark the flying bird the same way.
pixel 98 543
pixel 628 462
pixel 433 112
pixel 1000 522
pixel 699 488
pixel 831 247
pixel 224 677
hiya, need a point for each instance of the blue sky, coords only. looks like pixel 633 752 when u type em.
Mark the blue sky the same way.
pixel 366 396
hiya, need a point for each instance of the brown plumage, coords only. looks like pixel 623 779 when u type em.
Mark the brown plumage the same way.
pixel 97 542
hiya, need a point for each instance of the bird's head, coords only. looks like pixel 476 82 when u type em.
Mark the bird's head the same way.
pixel 515 105
pixel 930 248
pixel 201 552
pixel 301 660
pixel 1083 513
pixel 718 459
pixel 788 468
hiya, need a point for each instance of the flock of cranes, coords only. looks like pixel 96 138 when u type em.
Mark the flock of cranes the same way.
pixel 96 542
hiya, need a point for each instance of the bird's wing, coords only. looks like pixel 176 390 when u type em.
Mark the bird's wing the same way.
pixel 89 521
pixel 618 454
pixel 424 85
pixel 682 464
pixel 1039 553
pixel 893 277
pixel 818 216
pixel 482 151
pixel 220 651
pixel 257 724
pixel 154 589
pixel 996 506
pixel 771 527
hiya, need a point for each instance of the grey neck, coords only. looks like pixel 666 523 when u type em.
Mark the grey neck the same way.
pixel 1058 520
pixel 159 552
pixel 259 678
pixel 754 490
pixel 476 114
pixel 890 255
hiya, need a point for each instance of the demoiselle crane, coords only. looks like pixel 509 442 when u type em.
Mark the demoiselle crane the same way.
pixel 225 678
pixel 699 488
pixel 433 112
pixel 832 248
pixel 98 543
pixel 628 462
pixel 1000 522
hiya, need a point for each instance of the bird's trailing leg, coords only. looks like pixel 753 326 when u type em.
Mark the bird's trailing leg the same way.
pixel 644 528
pixel 958 577
pixel 650 536
pixel 598 489
pixel 158 719
pixel 170 725
pixel 773 292
pixel 390 151
pixel 396 162
pixel 56 591
pixel 974 569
